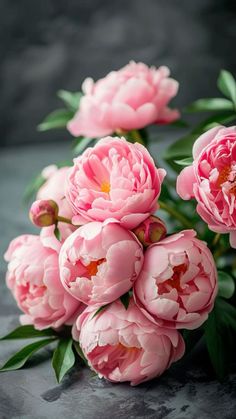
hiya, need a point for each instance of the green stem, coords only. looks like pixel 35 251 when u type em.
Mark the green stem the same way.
pixel 64 220
pixel 177 215
pixel 216 239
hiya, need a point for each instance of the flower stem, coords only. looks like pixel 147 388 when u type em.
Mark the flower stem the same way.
pixel 177 215
pixel 216 239
pixel 64 220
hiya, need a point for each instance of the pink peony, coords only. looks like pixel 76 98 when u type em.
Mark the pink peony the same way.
pixel 123 345
pixel 54 188
pixel 100 262
pixel 33 278
pixel 211 180
pixel 178 283
pixel 114 179
pixel 150 231
pixel 131 98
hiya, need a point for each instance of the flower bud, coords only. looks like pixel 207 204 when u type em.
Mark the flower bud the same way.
pixel 150 231
pixel 44 212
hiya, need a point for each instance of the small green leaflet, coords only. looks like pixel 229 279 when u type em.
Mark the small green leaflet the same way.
pixel 125 298
pixel 212 104
pixel 227 85
pixel 28 332
pixel 226 285
pixel 63 358
pixel 100 309
pixel 70 99
pixel 80 352
pixel 19 359
pixel 184 162
pixel 57 233
pixel 57 119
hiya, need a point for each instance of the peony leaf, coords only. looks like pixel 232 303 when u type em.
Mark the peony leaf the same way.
pixel 63 358
pixel 28 332
pixel 80 352
pixel 100 309
pixel 19 359
pixel 56 119
pixel 227 85
pixel 33 188
pixel 226 285
pixel 81 144
pixel 213 104
pixel 57 233
pixel 218 334
pixel 184 162
pixel 71 99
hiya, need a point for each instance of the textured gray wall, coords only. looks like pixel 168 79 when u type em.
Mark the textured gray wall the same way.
pixel 51 44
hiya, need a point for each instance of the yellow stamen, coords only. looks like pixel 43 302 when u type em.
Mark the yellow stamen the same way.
pixel 92 268
pixel 105 187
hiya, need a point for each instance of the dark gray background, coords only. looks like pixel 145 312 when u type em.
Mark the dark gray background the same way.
pixel 51 44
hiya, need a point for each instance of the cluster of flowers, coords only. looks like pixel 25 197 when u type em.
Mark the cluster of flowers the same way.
pixel 112 190
pixel 114 274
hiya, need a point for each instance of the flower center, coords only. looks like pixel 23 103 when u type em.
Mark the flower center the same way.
pixel 227 174
pixel 105 187
pixel 92 268
pixel 174 281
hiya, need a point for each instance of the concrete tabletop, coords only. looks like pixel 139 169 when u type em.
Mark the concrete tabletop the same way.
pixel 188 390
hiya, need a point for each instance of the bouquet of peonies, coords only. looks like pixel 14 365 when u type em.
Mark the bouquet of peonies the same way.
pixel 123 270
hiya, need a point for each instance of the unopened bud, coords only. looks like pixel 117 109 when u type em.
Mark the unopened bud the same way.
pixel 150 231
pixel 44 212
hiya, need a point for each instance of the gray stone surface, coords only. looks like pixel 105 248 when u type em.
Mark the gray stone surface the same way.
pixel 187 390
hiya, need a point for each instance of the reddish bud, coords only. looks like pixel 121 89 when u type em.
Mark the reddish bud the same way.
pixel 44 212
pixel 150 231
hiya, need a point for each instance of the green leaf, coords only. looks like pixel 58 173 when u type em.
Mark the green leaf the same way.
pixel 63 358
pixel 56 119
pixel 125 298
pixel 226 285
pixel 57 233
pixel 218 334
pixel 227 85
pixel 33 188
pixel 213 104
pixel 216 344
pixel 81 145
pixel 19 359
pixel 100 309
pixel 28 332
pixel 179 123
pixel 227 313
pixel 80 352
pixel 71 99
pixel 214 120
pixel 184 162
pixel 181 148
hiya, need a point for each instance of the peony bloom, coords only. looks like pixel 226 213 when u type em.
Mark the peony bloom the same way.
pixel 100 262
pixel 33 278
pixel 211 180
pixel 123 345
pixel 178 283
pixel 114 179
pixel 131 98
pixel 54 188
